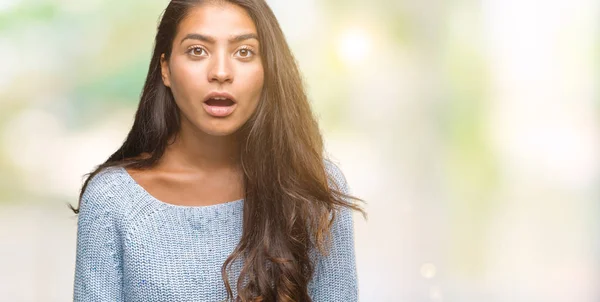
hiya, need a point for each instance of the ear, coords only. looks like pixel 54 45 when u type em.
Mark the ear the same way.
pixel 165 71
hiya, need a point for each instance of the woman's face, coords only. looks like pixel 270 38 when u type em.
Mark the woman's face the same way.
pixel 215 71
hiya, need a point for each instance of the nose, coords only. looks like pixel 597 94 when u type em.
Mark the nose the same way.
pixel 220 69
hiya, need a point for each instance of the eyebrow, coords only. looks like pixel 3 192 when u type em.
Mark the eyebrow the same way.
pixel 210 39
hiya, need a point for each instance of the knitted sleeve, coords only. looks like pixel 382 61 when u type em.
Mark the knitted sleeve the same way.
pixel 335 278
pixel 98 264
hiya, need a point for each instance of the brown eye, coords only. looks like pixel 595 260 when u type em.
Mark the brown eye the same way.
pixel 245 53
pixel 196 51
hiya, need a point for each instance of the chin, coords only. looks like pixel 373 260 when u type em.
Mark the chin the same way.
pixel 222 128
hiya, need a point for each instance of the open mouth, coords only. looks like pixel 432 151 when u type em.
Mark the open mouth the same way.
pixel 219 102
pixel 219 106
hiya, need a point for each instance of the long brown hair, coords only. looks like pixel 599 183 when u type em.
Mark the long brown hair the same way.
pixel 289 203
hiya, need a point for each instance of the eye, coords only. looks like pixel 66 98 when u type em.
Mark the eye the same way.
pixel 245 52
pixel 196 51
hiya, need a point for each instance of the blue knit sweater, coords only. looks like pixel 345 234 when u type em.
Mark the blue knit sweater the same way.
pixel 134 247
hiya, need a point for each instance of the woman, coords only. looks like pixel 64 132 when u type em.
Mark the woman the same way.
pixel 220 191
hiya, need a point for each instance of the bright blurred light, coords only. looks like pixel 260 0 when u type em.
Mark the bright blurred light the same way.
pixel 5 5
pixel 354 46
pixel 428 270
pixel 435 293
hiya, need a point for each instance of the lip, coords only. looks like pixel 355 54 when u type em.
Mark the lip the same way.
pixel 216 94
pixel 219 111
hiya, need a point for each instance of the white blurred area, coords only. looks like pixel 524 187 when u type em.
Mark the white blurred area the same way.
pixel 474 140
pixel 544 129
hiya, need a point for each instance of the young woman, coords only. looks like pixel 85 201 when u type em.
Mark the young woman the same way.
pixel 220 191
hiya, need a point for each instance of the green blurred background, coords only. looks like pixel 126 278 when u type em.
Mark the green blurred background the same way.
pixel 471 128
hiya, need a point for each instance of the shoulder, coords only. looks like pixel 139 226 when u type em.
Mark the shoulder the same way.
pixel 104 183
pixel 103 191
pixel 335 175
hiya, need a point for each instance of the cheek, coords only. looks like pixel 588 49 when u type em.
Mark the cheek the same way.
pixel 184 82
pixel 254 82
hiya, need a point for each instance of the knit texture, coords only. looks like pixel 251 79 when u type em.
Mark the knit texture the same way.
pixel 134 247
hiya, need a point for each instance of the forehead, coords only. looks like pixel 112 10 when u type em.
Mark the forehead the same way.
pixel 221 21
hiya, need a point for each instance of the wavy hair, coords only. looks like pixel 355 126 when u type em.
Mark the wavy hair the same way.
pixel 289 204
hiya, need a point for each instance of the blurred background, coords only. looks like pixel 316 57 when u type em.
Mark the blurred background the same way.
pixel 471 128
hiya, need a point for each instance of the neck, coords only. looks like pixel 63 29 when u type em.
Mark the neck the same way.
pixel 194 149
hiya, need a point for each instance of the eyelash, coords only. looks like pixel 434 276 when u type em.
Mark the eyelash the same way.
pixel 192 48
